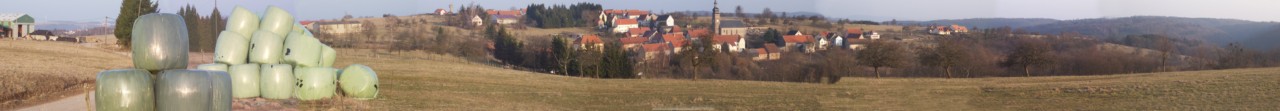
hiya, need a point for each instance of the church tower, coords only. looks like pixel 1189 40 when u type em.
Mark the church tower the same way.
pixel 715 18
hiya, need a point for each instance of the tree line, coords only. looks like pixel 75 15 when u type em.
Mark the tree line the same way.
pixel 202 31
pixel 559 16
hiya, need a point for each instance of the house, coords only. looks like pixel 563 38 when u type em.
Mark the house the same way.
pixel 637 32
pixel 17 24
pixel 948 30
pixel 477 21
pixel 506 19
pixel 796 42
pixel 856 44
pixel 622 25
pixel 732 43
pixel 698 33
pixel 587 42
pixel 853 33
pixel 612 14
pixel 873 35
pixel 653 50
pixel 768 52
pixel 338 27
pixel 664 21
pixel 440 11
pixel 632 42
pixel 794 32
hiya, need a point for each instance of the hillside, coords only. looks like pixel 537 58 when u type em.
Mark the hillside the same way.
pixel 1219 31
pixel 986 22
pixel 433 82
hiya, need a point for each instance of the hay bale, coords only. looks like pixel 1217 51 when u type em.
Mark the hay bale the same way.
pixel 266 48
pixel 192 90
pixel 277 81
pixel 315 83
pixel 124 90
pixel 159 42
pixel 243 22
pixel 359 81
pixel 302 50
pixel 277 21
pixel 244 80
pixel 231 48
pixel 213 67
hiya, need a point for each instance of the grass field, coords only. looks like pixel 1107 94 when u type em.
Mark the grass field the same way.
pixel 419 81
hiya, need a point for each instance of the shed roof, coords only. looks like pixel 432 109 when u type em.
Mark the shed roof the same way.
pixel 17 18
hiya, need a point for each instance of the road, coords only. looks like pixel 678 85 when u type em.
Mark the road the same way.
pixel 73 103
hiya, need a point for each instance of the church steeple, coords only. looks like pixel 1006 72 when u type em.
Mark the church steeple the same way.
pixel 715 18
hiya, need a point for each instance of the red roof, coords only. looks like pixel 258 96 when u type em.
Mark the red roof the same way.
pixel 627 22
pixel 959 28
pixel 679 43
pixel 730 39
pixel 796 38
pixel 633 40
pixel 589 39
pixel 672 37
pixel 655 47
pixel 637 31
pixel 771 48
pixel 854 31
pixel 699 32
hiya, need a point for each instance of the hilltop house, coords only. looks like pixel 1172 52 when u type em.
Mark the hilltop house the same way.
pixel 948 30
pixel 587 42
pixel 731 43
pixel 17 25
pixel 796 42
pixel 477 21
pixel 506 19
pixel 653 50
pixel 338 27
pixel 622 25
pixel 441 11
pixel 768 52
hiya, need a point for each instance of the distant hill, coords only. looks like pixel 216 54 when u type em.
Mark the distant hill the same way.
pixel 986 22
pixel 1259 35
pixel 67 25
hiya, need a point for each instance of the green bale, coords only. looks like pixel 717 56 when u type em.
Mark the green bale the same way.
pixel 315 83
pixel 124 90
pixel 302 50
pixel 212 67
pixel 231 48
pixel 277 81
pixel 327 56
pixel 277 21
pixel 359 81
pixel 266 48
pixel 159 42
pixel 244 80
pixel 243 22
pixel 193 90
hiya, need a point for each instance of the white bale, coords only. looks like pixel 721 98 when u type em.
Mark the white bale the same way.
pixel 213 67
pixel 315 83
pixel 277 21
pixel 231 48
pixel 327 56
pixel 266 48
pixel 244 79
pixel 359 81
pixel 302 50
pixel 159 42
pixel 277 81
pixel 243 22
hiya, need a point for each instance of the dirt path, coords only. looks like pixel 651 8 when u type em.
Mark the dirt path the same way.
pixel 79 102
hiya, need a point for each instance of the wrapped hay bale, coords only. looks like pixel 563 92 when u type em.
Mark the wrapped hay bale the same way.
pixel 193 90
pixel 277 81
pixel 213 67
pixel 277 21
pixel 266 48
pixel 244 80
pixel 242 22
pixel 124 90
pixel 327 56
pixel 315 83
pixel 231 48
pixel 159 42
pixel 359 81
pixel 302 50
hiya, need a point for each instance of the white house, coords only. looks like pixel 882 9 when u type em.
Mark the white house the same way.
pixel 622 25
pixel 734 43
pixel 477 20
pixel 19 24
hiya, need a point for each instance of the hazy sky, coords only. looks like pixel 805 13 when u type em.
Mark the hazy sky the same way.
pixel 878 10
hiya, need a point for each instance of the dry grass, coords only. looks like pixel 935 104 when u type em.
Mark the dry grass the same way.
pixel 410 82
pixel 33 72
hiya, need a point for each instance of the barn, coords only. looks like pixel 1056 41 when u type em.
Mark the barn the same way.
pixel 16 25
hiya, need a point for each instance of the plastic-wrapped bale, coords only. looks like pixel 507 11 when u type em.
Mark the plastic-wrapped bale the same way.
pixel 213 67
pixel 243 22
pixel 315 83
pixel 222 95
pixel 302 50
pixel 359 81
pixel 231 48
pixel 159 42
pixel 124 90
pixel 193 90
pixel 277 81
pixel 244 80
pixel 327 56
pixel 298 30
pixel 266 48
pixel 277 21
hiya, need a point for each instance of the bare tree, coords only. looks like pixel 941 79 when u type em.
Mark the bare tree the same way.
pixel 946 54
pixel 879 54
pixel 1028 53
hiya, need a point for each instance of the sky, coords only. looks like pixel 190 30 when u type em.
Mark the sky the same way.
pixel 876 10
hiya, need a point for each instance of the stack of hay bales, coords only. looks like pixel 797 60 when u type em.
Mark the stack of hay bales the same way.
pixel 270 57
pixel 287 60
pixel 160 47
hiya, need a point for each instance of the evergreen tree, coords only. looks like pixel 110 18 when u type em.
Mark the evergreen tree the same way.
pixel 130 10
